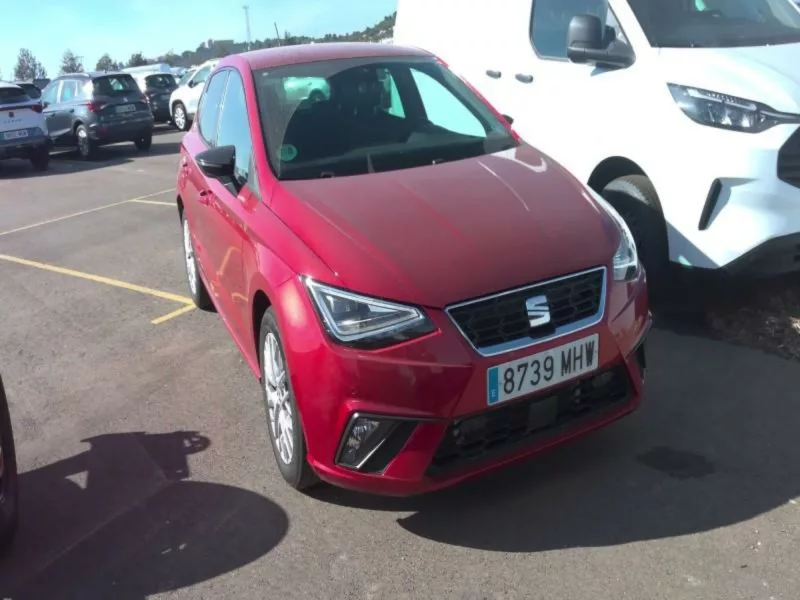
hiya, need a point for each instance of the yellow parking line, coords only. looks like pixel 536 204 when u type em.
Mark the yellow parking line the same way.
pixel 84 212
pixel 152 202
pixel 173 314
pixel 98 279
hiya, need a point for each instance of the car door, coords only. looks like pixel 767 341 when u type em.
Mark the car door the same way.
pixel 233 205
pixel 550 96
pixel 58 126
pixel 195 186
pixel 195 89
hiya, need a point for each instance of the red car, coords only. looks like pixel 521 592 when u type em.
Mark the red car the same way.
pixel 424 296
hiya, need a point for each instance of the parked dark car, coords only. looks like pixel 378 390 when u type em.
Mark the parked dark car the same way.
pixel 158 88
pixel 31 89
pixel 88 110
pixel 8 476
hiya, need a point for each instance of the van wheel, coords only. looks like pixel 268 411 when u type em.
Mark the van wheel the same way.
pixel 636 200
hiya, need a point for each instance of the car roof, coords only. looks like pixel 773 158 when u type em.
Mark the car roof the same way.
pixel 92 75
pixel 8 84
pixel 305 53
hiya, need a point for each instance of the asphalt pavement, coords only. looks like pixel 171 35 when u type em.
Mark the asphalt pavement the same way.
pixel 146 470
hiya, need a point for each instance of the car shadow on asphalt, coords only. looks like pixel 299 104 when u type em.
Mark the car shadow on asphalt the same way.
pixel 141 527
pixel 714 444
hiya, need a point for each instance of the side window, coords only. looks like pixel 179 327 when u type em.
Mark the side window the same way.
pixel 550 22
pixel 443 108
pixel 50 93
pixel 234 127
pixel 69 89
pixel 208 112
pixel 201 75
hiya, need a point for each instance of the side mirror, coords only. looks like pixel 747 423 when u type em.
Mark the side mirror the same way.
pixel 509 119
pixel 191 83
pixel 217 162
pixel 586 43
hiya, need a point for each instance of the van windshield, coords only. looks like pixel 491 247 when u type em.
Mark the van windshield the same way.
pixel 354 116
pixel 718 23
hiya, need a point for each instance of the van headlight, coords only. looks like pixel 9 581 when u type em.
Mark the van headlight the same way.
pixel 365 322
pixel 626 258
pixel 727 112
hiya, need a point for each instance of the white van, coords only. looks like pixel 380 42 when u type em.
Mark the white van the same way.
pixel 683 113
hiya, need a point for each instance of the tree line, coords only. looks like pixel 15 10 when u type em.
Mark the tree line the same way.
pixel 28 67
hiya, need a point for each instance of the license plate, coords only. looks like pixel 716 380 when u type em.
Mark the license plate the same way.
pixel 543 370
pixel 15 135
pixel 126 108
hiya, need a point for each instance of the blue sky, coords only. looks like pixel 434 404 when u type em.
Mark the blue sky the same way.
pixel 121 27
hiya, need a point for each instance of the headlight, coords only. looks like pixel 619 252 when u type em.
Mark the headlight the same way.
pixel 626 258
pixel 727 112
pixel 365 322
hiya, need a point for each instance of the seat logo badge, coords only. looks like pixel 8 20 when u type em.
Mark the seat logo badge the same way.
pixel 538 311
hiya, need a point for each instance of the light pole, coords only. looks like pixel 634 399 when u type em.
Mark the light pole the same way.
pixel 247 23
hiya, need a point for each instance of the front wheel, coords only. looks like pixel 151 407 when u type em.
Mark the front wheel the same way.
pixel 179 117
pixel 283 418
pixel 635 198
pixel 200 295
pixel 86 145
pixel 9 497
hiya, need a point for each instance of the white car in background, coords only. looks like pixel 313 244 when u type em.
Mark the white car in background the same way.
pixel 23 130
pixel 184 100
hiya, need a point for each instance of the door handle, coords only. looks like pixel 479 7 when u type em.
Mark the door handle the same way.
pixel 204 197
pixel 494 74
pixel 524 77
pixel 184 161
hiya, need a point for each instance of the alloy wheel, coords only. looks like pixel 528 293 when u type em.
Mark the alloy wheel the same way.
pixel 188 251
pixel 279 407
pixel 179 117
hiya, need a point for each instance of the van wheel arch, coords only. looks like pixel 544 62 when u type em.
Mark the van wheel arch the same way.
pixel 626 186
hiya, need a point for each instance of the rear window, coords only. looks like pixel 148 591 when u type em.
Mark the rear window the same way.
pixel 13 95
pixel 31 90
pixel 114 84
pixel 160 81
pixel 354 116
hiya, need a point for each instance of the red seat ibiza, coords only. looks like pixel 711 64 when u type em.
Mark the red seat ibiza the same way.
pixel 423 295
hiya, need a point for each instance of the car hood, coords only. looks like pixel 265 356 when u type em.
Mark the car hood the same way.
pixel 765 74
pixel 439 234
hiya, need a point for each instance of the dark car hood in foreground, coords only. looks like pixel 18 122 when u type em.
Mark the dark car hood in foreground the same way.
pixel 440 234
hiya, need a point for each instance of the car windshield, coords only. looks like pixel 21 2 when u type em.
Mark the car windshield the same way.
pixel 186 76
pixel 114 84
pixel 13 95
pixel 718 23
pixel 354 116
pixel 161 81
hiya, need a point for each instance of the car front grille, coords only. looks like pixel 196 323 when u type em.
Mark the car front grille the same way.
pixel 500 323
pixel 491 434
pixel 789 160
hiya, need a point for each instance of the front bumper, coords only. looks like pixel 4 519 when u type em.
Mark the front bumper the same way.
pixel 730 195
pixel 111 132
pixel 433 392
pixel 25 147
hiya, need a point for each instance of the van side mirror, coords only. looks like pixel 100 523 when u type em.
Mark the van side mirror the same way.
pixel 586 43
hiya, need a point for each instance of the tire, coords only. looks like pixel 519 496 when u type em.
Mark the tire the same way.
pixel 292 464
pixel 197 288
pixel 144 143
pixel 180 118
pixel 9 491
pixel 40 159
pixel 636 200
pixel 87 147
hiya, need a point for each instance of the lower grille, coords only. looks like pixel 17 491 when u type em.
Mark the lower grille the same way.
pixel 491 434
pixel 789 160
